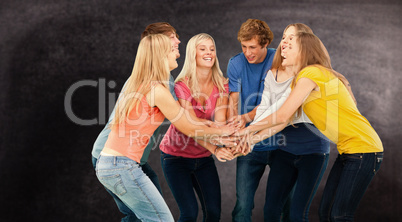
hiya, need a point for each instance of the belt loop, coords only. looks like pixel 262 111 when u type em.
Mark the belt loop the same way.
pixel 114 160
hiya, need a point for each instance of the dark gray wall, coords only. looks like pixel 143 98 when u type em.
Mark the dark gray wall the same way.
pixel 47 46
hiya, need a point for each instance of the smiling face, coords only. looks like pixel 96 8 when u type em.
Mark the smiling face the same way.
pixel 175 42
pixel 253 51
pixel 205 54
pixel 289 47
pixel 172 56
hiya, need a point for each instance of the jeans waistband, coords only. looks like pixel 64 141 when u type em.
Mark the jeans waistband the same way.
pixel 115 159
pixel 375 153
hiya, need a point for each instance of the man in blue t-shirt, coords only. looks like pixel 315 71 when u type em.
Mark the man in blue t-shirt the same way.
pixel 247 72
pixel 154 28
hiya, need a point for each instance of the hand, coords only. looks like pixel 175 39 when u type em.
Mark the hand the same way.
pixel 227 130
pixel 216 124
pixel 210 123
pixel 223 154
pixel 235 153
pixel 238 121
pixel 226 141
pixel 241 132
pixel 244 146
pixel 247 144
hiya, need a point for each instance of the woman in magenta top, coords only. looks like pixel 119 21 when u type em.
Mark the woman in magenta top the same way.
pixel 140 110
pixel 186 162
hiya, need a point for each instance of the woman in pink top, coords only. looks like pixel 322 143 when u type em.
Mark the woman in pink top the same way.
pixel 187 163
pixel 142 107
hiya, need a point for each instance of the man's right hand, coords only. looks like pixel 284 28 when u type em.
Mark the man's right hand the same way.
pixel 238 121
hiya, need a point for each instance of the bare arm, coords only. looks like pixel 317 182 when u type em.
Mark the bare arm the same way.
pixel 221 109
pixel 161 97
pixel 222 154
pixel 281 117
pixel 250 115
pixel 266 133
pixel 233 104
pixel 233 114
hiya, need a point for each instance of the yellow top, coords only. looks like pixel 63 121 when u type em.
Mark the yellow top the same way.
pixel 334 113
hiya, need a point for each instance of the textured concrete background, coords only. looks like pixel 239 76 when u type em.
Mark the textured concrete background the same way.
pixel 47 46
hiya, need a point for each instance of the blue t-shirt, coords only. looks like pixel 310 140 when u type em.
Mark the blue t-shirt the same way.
pixel 248 79
pixel 104 134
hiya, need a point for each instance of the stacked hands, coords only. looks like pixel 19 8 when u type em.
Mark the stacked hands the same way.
pixel 234 141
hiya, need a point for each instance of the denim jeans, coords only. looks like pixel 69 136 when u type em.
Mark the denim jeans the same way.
pixel 129 215
pixel 347 182
pixel 249 171
pixel 304 173
pixel 125 178
pixel 184 175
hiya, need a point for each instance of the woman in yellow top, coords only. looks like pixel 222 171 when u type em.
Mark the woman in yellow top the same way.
pixel 318 90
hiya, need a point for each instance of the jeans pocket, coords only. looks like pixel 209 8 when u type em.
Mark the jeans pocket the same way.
pixel 357 156
pixel 378 160
pixel 352 162
pixel 114 183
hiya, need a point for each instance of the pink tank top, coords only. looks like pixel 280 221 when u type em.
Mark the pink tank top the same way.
pixel 176 143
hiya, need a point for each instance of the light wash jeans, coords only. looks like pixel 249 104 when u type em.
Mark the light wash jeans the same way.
pixel 125 178
pixel 129 215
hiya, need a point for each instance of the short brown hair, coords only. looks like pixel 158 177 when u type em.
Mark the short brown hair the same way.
pixel 255 28
pixel 159 28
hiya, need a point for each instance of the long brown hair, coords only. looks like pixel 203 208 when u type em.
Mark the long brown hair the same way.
pixel 312 53
pixel 316 55
pixel 277 61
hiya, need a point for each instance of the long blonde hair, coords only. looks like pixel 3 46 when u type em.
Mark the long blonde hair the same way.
pixel 312 52
pixel 151 65
pixel 189 70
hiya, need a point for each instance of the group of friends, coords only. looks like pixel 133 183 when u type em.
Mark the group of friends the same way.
pixel 278 107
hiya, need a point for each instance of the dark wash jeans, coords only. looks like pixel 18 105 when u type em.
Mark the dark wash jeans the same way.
pixel 249 170
pixel 184 175
pixel 129 214
pixel 304 173
pixel 347 182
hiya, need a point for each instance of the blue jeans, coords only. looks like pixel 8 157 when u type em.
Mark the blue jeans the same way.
pixel 184 175
pixel 125 178
pixel 347 182
pixel 129 215
pixel 304 173
pixel 249 171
